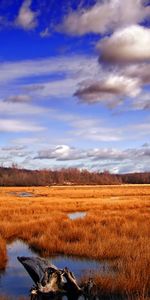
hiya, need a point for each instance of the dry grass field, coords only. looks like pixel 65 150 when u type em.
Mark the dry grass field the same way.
pixel 116 228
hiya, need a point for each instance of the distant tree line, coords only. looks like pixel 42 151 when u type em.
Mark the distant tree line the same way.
pixel 70 176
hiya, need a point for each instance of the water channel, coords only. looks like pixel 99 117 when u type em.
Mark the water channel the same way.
pixel 15 281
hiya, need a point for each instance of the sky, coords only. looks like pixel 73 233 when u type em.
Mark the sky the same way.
pixel 75 84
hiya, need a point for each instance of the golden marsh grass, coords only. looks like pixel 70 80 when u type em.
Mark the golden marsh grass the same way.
pixel 116 228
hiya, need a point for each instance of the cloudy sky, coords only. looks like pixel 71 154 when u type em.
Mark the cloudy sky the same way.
pixel 75 84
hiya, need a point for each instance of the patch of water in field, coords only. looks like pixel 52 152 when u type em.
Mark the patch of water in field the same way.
pixel 22 194
pixel 25 194
pixel 15 281
pixel 77 215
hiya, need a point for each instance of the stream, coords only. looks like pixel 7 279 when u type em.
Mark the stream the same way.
pixel 15 281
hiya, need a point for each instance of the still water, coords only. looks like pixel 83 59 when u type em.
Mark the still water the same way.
pixel 15 281
pixel 77 215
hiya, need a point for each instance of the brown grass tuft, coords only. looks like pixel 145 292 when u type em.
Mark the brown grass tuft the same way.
pixel 3 254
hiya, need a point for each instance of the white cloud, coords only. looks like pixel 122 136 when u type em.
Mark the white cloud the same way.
pixel 61 153
pixel 141 129
pixel 130 44
pixel 80 75
pixel 76 66
pixel 12 152
pixel 120 155
pixel 72 71
pixel 45 33
pixel 142 102
pixel 17 109
pixel 115 160
pixel 9 125
pixel 59 88
pixel 27 19
pixel 106 153
pixel 80 128
pixel 105 16
pixel 26 141
pixel 99 134
pixel 94 130
pixel 138 71
pixel 98 130
pixel 13 148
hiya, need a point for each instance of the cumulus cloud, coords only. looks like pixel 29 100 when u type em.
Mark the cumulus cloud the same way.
pixel 61 153
pixel 106 89
pixel 105 16
pixel 18 99
pixel 113 159
pixel 13 152
pixel 106 153
pixel 126 46
pixel 130 44
pixel 27 19
pixel 81 75
pixel 116 154
pixel 141 72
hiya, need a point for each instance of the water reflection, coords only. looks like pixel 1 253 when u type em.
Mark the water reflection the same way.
pixel 15 281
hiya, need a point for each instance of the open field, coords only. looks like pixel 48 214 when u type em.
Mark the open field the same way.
pixel 116 228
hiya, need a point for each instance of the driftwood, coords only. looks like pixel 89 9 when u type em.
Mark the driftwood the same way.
pixel 53 283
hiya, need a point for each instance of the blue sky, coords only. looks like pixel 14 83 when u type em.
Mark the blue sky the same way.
pixel 75 84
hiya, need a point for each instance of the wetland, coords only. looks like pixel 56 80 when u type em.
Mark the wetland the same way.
pixel 107 231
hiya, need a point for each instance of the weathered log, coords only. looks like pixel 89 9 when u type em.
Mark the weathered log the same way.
pixel 35 266
pixel 53 283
